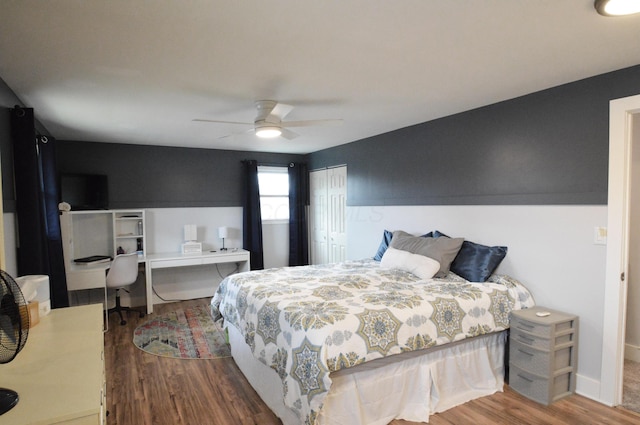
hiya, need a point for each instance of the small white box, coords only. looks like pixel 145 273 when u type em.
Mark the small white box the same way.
pixel 190 232
pixel 192 248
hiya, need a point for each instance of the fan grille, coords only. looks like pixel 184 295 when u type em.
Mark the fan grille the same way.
pixel 14 318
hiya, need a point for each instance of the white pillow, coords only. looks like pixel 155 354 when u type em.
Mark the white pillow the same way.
pixel 421 266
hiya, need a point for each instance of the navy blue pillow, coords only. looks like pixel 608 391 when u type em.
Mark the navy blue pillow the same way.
pixel 386 240
pixel 476 262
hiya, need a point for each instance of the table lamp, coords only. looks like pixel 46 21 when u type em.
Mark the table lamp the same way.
pixel 223 232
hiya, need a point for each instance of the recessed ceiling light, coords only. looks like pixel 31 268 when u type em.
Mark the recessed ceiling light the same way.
pixel 617 7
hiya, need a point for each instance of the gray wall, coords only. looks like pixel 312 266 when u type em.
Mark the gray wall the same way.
pixel 142 176
pixel 162 177
pixel 549 147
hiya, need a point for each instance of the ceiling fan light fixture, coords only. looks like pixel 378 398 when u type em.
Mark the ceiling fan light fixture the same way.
pixel 268 131
pixel 617 7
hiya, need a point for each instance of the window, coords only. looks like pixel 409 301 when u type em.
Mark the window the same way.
pixel 274 192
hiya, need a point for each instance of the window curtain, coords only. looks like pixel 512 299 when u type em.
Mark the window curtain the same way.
pixel 298 202
pixel 36 189
pixel 251 217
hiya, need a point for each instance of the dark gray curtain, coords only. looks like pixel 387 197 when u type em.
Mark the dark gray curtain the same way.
pixel 36 188
pixel 251 217
pixel 298 202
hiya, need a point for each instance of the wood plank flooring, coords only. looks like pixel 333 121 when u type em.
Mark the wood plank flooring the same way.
pixel 143 389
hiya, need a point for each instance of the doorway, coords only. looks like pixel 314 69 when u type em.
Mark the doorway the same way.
pixel 623 113
pixel 631 370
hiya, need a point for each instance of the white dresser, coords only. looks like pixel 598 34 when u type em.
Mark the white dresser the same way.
pixel 59 375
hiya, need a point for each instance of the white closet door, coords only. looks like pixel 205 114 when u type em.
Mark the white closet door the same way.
pixel 328 190
pixel 337 220
pixel 319 213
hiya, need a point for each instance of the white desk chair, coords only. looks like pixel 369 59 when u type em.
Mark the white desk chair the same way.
pixel 123 272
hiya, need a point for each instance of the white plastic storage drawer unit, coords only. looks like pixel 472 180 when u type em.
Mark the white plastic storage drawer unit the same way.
pixel 543 354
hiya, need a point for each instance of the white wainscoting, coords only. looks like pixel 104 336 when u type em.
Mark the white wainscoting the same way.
pixel 165 233
pixel 165 227
pixel 551 250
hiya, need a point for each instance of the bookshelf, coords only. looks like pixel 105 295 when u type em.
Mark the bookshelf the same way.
pixel 129 231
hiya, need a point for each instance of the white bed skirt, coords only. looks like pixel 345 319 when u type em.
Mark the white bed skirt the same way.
pixel 409 386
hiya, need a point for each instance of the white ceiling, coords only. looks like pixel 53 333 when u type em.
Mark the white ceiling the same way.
pixel 134 71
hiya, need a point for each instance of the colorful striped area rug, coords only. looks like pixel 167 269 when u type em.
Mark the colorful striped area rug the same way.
pixel 188 333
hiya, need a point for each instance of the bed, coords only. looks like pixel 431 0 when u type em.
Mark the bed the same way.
pixel 366 342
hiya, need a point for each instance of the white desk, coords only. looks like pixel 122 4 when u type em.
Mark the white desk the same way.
pixel 176 259
pixel 91 276
pixel 80 276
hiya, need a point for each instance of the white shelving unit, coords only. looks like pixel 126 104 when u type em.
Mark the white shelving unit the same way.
pixel 101 232
pixel 87 233
pixel 129 231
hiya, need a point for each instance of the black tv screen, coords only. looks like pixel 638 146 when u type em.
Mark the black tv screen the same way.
pixel 84 191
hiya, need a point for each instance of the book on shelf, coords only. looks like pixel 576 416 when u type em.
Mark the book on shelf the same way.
pixel 92 259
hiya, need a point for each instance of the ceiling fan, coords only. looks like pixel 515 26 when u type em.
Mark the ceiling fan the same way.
pixel 269 124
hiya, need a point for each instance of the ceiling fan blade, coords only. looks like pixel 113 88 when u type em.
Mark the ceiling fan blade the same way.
pixel 265 107
pixel 226 136
pixel 281 110
pixel 309 123
pixel 288 134
pixel 222 122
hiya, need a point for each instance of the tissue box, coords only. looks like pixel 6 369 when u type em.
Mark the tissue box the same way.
pixel 32 311
pixel 192 248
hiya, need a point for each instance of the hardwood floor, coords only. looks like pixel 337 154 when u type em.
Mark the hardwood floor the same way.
pixel 143 389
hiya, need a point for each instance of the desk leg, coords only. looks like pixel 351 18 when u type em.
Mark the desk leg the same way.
pixel 244 266
pixel 106 310
pixel 149 287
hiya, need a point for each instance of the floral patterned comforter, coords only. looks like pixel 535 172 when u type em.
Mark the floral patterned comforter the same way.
pixel 305 322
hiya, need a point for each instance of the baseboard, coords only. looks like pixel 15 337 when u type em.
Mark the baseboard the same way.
pixel 588 387
pixel 189 294
pixel 632 352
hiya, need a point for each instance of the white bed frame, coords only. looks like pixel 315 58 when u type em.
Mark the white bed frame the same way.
pixel 409 386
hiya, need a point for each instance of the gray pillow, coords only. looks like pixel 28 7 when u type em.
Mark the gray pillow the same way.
pixel 442 250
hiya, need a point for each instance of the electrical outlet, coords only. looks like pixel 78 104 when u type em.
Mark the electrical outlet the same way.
pixel 600 235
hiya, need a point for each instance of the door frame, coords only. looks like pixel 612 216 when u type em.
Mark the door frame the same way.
pixel 617 262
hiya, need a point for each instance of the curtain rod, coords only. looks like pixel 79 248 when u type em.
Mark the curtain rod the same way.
pixel 329 167
pixel 273 164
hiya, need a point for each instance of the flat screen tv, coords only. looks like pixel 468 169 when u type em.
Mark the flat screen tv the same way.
pixel 84 191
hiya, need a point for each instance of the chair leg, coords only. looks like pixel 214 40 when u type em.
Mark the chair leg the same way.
pixel 120 308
